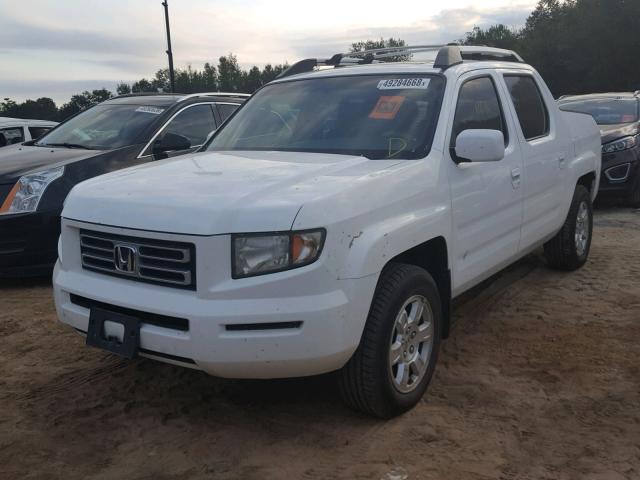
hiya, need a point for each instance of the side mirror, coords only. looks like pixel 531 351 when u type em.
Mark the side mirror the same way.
pixel 210 135
pixel 171 142
pixel 480 145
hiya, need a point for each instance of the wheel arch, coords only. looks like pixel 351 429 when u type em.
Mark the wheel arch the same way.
pixel 588 180
pixel 432 255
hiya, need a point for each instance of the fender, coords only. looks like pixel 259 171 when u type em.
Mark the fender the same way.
pixel 586 156
pixel 380 242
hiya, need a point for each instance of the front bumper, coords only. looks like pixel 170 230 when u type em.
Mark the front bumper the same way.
pixel 28 243
pixel 315 321
pixel 620 171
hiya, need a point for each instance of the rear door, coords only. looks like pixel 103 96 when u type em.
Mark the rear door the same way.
pixel 486 197
pixel 545 157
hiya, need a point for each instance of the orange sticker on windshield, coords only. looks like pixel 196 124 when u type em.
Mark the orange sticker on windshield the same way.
pixel 387 107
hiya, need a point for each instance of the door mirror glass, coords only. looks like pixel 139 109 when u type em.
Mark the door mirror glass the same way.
pixel 480 145
pixel 171 142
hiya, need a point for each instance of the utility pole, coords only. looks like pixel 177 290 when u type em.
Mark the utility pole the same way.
pixel 172 77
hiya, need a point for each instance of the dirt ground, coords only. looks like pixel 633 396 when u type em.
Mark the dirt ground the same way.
pixel 540 379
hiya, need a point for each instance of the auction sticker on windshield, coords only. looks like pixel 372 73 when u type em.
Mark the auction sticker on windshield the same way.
pixel 154 110
pixel 395 83
pixel 387 107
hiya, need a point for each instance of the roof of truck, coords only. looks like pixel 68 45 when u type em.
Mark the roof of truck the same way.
pixel 449 59
pixel 405 68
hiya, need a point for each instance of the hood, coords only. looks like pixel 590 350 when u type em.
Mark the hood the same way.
pixel 16 160
pixel 217 192
pixel 610 133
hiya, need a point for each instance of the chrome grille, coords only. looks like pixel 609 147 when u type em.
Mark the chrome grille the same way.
pixel 141 259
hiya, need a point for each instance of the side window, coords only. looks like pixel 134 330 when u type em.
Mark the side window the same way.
pixel 194 123
pixel 37 132
pixel 226 109
pixel 530 108
pixel 9 136
pixel 478 107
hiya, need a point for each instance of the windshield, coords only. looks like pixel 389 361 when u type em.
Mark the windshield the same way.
pixel 379 117
pixel 103 127
pixel 605 111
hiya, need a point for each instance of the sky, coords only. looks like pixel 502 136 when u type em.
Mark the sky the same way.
pixel 58 48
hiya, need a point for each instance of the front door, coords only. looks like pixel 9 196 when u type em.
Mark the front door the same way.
pixel 486 197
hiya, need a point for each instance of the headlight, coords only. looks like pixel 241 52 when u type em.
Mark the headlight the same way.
pixel 619 145
pixel 26 194
pixel 260 253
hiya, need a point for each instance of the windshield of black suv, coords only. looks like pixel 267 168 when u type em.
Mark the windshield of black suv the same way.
pixel 376 116
pixel 605 111
pixel 103 127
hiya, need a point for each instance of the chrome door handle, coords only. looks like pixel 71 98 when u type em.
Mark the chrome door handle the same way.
pixel 515 177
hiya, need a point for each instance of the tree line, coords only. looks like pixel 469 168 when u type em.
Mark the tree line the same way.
pixel 578 46
pixel 228 76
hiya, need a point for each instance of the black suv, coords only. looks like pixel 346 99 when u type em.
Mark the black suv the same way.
pixel 618 116
pixel 36 176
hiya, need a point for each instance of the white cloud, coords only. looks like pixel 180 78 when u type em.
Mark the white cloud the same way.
pixel 94 41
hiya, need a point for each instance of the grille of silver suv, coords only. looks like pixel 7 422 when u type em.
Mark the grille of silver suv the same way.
pixel 147 260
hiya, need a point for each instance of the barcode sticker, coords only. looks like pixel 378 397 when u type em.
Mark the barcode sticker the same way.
pixel 397 83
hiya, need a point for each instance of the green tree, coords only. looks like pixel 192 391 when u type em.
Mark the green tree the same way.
pixel 83 101
pixel 382 43
pixel 229 74
pixel 251 80
pixel 499 36
pixel 578 46
pixel 123 89
pixel 43 109
pixel 143 85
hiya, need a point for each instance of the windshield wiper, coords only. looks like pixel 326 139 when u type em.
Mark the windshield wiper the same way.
pixel 66 145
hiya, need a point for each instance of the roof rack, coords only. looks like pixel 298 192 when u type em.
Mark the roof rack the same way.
pixel 183 96
pixel 215 94
pixel 448 56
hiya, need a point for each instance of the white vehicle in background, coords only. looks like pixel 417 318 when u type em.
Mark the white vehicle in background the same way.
pixel 331 221
pixel 18 130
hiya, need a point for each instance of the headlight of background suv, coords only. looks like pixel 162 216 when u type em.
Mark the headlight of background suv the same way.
pixel 260 253
pixel 619 145
pixel 26 194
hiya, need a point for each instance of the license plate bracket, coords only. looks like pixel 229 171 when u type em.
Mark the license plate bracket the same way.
pixel 96 336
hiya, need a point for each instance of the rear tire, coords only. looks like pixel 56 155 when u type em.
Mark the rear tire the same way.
pixel 569 249
pixel 391 368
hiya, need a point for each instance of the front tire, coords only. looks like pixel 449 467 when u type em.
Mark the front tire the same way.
pixel 633 197
pixel 569 249
pixel 393 365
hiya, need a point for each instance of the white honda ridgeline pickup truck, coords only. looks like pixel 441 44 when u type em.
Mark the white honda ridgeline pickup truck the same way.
pixel 329 223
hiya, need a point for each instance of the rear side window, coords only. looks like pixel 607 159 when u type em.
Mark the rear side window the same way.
pixel 226 109
pixel 11 135
pixel 478 107
pixel 530 108
pixel 37 132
